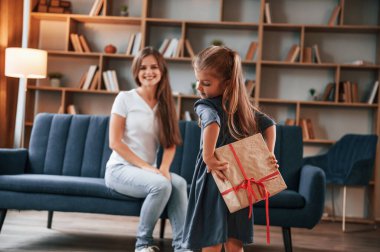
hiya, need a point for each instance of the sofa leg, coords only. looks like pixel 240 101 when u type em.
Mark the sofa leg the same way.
pixel 50 219
pixel 3 213
pixel 286 234
pixel 162 228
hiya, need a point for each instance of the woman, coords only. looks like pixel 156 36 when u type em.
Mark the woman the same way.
pixel 141 120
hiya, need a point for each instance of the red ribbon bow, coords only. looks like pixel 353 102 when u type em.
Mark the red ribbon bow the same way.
pixel 246 184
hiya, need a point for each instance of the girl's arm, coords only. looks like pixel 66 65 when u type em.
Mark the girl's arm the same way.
pixel 269 136
pixel 210 136
pixel 117 126
pixel 167 159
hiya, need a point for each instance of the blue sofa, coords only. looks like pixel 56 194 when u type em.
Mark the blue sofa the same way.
pixel 63 170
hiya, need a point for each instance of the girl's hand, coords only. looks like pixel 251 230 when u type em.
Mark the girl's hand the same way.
pixel 151 169
pixel 165 173
pixel 216 166
pixel 274 161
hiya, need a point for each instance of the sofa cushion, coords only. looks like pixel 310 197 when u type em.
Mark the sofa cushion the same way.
pixel 58 184
pixel 285 199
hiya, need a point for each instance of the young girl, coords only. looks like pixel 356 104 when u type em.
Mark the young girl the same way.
pixel 226 115
pixel 141 119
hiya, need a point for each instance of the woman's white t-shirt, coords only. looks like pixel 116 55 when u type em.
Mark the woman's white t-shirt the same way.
pixel 141 128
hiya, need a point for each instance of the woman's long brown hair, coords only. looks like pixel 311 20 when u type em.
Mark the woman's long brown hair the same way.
pixel 169 133
pixel 225 65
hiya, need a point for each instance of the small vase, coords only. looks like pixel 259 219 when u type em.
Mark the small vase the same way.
pixel 124 13
pixel 54 82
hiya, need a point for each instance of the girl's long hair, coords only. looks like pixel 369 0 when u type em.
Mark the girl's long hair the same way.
pixel 225 65
pixel 169 133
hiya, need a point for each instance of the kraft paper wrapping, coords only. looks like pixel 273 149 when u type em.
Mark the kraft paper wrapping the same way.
pixel 255 159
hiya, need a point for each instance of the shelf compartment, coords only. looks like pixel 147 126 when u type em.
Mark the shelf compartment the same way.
pixel 174 9
pixel 271 63
pixel 241 11
pixel 333 122
pixel 237 39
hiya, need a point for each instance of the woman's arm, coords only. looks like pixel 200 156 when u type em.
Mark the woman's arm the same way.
pixel 117 126
pixel 269 136
pixel 210 136
pixel 167 158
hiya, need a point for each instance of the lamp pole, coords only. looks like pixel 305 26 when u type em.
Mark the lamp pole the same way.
pixel 18 140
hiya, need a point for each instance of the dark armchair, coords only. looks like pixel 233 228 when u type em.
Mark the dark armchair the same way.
pixel 349 162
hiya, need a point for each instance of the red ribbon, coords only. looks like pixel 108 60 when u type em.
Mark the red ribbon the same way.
pixel 246 184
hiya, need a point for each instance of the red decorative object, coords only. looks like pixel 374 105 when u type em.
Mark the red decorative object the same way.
pixel 110 48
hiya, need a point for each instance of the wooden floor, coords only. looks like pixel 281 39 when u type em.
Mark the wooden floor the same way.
pixel 26 231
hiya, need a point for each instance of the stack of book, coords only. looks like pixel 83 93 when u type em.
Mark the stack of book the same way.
pixel 96 8
pixel 55 6
pixel 79 43
pixel 110 81
pixel 171 48
pixel 134 44
pixel 306 125
pixel 90 79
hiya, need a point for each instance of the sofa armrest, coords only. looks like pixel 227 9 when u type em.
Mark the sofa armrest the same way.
pixel 312 187
pixel 13 161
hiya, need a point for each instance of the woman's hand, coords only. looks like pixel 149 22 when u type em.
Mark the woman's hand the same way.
pixel 165 173
pixel 151 169
pixel 217 167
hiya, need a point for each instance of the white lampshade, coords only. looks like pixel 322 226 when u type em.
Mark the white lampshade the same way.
pixel 25 63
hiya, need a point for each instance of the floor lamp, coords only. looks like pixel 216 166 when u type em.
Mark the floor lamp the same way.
pixel 24 63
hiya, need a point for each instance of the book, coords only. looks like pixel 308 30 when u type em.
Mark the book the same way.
pixel 65 4
pixel 334 16
pixel 53 9
pixel 71 109
pixel 307 55
pixel 90 75
pixel 328 89
pixel 82 79
pixel 170 51
pixel 178 49
pixel 130 44
pixel 60 110
pixel 136 43
pixel 95 7
pixel 317 56
pixel 293 53
pixel 290 122
pixel 189 48
pixel 251 51
pixel 267 14
pixel 355 92
pixel 75 42
pixel 305 133
pixel 107 83
pixel 250 87
pixel 84 44
pixel 42 8
pixel 95 81
pixel 373 93
pixel 115 81
pixel 164 45
pixel 310 128
pixel 56 3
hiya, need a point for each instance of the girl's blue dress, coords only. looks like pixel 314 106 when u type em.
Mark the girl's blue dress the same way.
pixel 208 221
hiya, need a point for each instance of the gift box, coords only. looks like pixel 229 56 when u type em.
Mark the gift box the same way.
pixel 251 176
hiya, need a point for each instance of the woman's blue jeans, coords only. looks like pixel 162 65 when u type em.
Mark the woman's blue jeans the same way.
pixel 158 192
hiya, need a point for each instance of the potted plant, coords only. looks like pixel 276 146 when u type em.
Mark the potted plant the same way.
pixel 124 10
pixel 313 95
pixel 194 87
pixel 55 79
pixel 217 42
